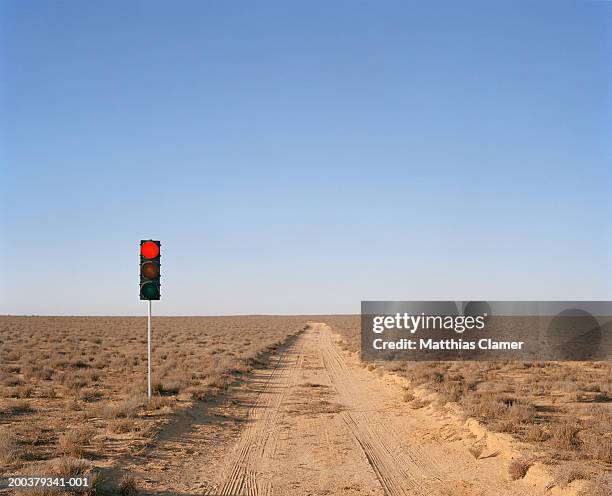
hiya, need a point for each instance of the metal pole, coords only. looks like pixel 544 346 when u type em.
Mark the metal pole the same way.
pixel 149 354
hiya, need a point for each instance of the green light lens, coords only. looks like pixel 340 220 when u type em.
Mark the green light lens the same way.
pixel 150 291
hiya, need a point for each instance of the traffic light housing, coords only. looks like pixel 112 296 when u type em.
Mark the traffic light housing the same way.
pixel 149 269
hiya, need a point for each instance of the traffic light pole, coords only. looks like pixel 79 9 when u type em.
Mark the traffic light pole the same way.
pixel 149 354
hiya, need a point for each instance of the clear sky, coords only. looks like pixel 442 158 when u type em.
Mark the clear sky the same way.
pixel 298 157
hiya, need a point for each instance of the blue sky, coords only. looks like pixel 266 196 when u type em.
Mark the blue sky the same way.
pixel 298 157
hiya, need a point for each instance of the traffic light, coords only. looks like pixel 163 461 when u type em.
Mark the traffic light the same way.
pixel 149 269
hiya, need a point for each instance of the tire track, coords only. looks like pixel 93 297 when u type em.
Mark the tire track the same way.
pixel 258 440
pixel 399 474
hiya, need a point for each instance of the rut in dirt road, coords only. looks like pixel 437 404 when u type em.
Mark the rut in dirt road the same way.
pixel 394 470
pixel 320 424
pixel 259 438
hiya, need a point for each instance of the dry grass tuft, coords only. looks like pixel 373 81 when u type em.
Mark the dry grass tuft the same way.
pixel 199 393
pixel 419 403
pixel 73 442
pixel 20 407
pixel 518 468
pixel 127 486
pixel 10 452
pixel 476 450
pixel 572 472
pixel 64 467
pixel 535 433
pixel 407 396
pixel 600 449
pixel 122 426
pixel 564 436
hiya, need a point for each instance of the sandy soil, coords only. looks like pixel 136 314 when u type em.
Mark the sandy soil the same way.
pixel 316 423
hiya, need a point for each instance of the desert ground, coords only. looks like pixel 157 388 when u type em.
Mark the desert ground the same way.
pixel 283 406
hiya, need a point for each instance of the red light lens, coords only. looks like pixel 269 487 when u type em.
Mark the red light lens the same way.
pixel 149 249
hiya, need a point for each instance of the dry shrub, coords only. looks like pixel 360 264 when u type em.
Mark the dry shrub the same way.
pixel 564 436
pixel 505 425
pixel 241 367
pixel 18 407
pixel 90 375
pixel 123 409
pixel 99 363
pixel 156 384
pixel 13 355
pixel 10 451
pixel 73 381
pixel 569 473
pixel 73 442
pixel 218 380
pixel 122 426
pixel 104 411
pixel 419 403
pixel 13 368
pixel 73 405
pixel 48 393
pixel 535 433
pixel 127 486
pixel 476 450
pixel 158 402
pixel 522 413
pixel 600 449
pixel 483 407
pixel 395 366
pixel 592 387
pixel 90 395
pixel 11 381
pixel 33 434
pixel 199 393
pixel 168 387
pixel 65 467
pixel 19 392
pixel 408 396
pixel 502 412
pixel 38 372
pixel 79 364
pixel 518 468
pixel 453 391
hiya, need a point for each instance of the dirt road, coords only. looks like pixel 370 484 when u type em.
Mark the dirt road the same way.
pixel 316 423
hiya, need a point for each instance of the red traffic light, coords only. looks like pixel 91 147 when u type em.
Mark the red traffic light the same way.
pixel 149 249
